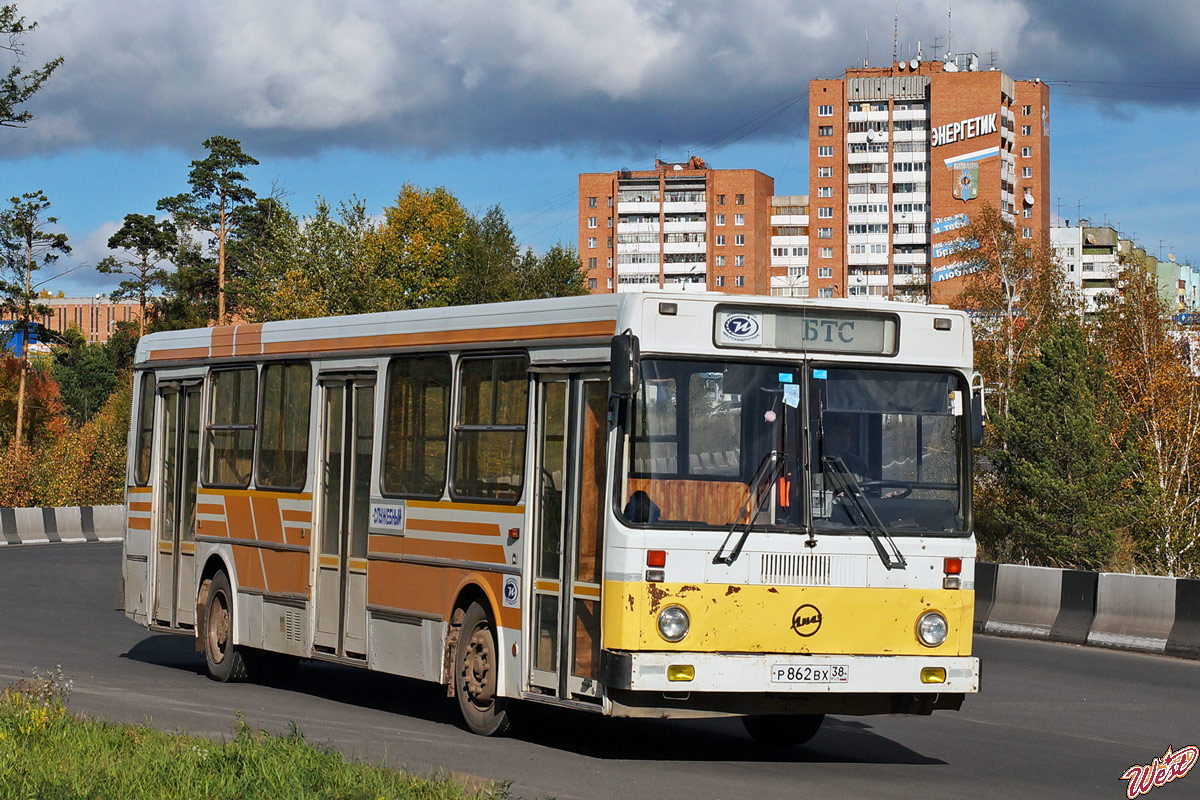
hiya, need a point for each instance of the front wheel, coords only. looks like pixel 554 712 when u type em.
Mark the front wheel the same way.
pixel 783 730
pixel 224 661
pixel 477 676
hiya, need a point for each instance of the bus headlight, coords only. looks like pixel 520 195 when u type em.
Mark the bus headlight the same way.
pixel 673 623
pixel 932 628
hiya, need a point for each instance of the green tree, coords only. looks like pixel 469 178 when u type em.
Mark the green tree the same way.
pixel 488 260
pixel 122 345
pixel 149 242
pixel 1143 348
pixel 18 86
pixel 26 245
pixel 1066 471
pixel 218 192
pixel 417 248
pixel 85 375
pixel 558 273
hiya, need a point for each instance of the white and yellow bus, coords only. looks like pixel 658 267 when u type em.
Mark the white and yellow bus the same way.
pixel 644 504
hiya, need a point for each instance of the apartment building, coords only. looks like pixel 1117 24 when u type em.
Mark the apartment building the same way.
pixel 789 245
pixel 680 226
pixel 903 157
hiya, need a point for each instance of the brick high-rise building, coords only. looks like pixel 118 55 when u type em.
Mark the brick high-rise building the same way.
pixel 903 156
pixel 677 226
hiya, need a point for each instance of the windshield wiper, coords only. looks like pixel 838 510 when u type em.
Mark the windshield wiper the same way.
pixel 862 513
pixel 767 475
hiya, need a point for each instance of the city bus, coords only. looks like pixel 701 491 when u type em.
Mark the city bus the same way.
pixel 646 504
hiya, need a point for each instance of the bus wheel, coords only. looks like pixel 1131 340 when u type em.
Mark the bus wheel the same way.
pixel 477 677
pixel 783 730
pixel 225 662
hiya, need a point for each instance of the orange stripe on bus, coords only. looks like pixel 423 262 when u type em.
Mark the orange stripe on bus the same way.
pixel 139 523
pixel 295 515
pixel 453 506
pixel 451 526
pixel 138 489
pixel 139 506
pixel 237 513
pixel 569 330
pixel 286 571
pixel 431 590
pixel 210 508
pixel 247 339
pixel 249 567
pixel 208 527
pixel 385 543
pixel 460 551
pixel 296 535
pixel 179 354
pixel 267 525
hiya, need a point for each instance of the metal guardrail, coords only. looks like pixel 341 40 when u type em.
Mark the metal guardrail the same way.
pixel 65 524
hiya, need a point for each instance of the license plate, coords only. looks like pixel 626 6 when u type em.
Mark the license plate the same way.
pixel 808 673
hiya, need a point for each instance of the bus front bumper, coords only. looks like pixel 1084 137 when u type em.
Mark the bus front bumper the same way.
pixel 788 674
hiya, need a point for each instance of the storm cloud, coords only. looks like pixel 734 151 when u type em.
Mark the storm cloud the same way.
pixel 296 77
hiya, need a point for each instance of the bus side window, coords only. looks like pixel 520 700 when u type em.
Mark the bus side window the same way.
pixel 489 435
pixel 145 429
pixel 229 437
pixel 283 431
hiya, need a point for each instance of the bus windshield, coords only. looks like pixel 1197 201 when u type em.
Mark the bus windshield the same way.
pixel 713 444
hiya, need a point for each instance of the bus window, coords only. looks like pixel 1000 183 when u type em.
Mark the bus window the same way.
pixel 489 438
pixel 229 438
pixel 145 429
pixel 283 438
pixel 418 425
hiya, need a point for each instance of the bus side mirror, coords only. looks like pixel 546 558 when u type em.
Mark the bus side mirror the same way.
pixel 626 358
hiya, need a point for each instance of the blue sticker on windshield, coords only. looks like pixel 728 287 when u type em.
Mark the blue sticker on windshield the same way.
pixel 785 377
pixel 820 374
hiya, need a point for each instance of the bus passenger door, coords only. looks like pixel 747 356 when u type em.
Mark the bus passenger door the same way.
pixel 175 576
pixel 345 491
pixel 569 541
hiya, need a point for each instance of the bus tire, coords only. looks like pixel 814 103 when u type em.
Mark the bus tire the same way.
pixel 477 677
pixel 783 730
pixel 224 660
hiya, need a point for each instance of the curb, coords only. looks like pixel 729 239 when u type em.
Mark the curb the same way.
pixel 63 525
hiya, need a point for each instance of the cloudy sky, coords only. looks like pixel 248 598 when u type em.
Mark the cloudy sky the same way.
pixel 506 101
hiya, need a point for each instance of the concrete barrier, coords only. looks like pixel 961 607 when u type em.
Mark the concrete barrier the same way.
pixel 1076 606
pixel 68 524
pixel 1027 601
pixel 985 592
pixel 1184 639
pixel 1133 612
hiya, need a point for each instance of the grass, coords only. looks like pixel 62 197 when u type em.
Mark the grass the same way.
pixel 49 754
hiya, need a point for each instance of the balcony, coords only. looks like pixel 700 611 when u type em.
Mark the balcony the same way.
pixel 685 227
pixel 684 247
pixel 635 207
pixel 637 247
pixel 782 220
pixel 681 207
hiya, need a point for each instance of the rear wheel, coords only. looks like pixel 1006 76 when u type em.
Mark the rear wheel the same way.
pixel 224 660
pixel 783 730
pixel 477 677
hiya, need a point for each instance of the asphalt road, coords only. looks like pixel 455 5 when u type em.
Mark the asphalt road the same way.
pixel 1052 720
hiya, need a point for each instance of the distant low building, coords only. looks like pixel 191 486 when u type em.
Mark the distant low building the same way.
pixel 95 317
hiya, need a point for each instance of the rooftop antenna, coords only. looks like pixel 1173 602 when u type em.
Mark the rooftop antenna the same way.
pixel 896 32
pixel 992 56
pixel 949 28
pixel 867 60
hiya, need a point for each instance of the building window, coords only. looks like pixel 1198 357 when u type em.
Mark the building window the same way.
pixel 824 191
pixel 720 219
pixel 609 221
pixel 609 262
pixel 610 201
pixel 1027 212
pixel 1026 110
pixel 739 280
pixel 739 239
pixel 825 213
pixel 800 251
pixel 824 172
pixel 591 242
pixel 1029 252
pixel 1026 233
pixel 739 219
pixel 591 222
pixel 824 233
pixel 1026 152
pixel 824 111
pixel 720 240
pixel 826 252
pixel 610 283
pixel 825 130
pixel 591 202
pixel 609 243
pixel 739 261
pixel 591 263
pixel 824 272
pixel 720 280
pixel 1026 130
pixel 720 260
pixel 591 283
pixel 720 199
pixel 824 292
pixel 739 199
pixel 1026 172
pixel 825 150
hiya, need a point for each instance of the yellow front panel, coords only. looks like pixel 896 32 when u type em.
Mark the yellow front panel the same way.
pixel 760 619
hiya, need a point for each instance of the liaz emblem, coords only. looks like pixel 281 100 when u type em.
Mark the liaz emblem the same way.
pixel 806 620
